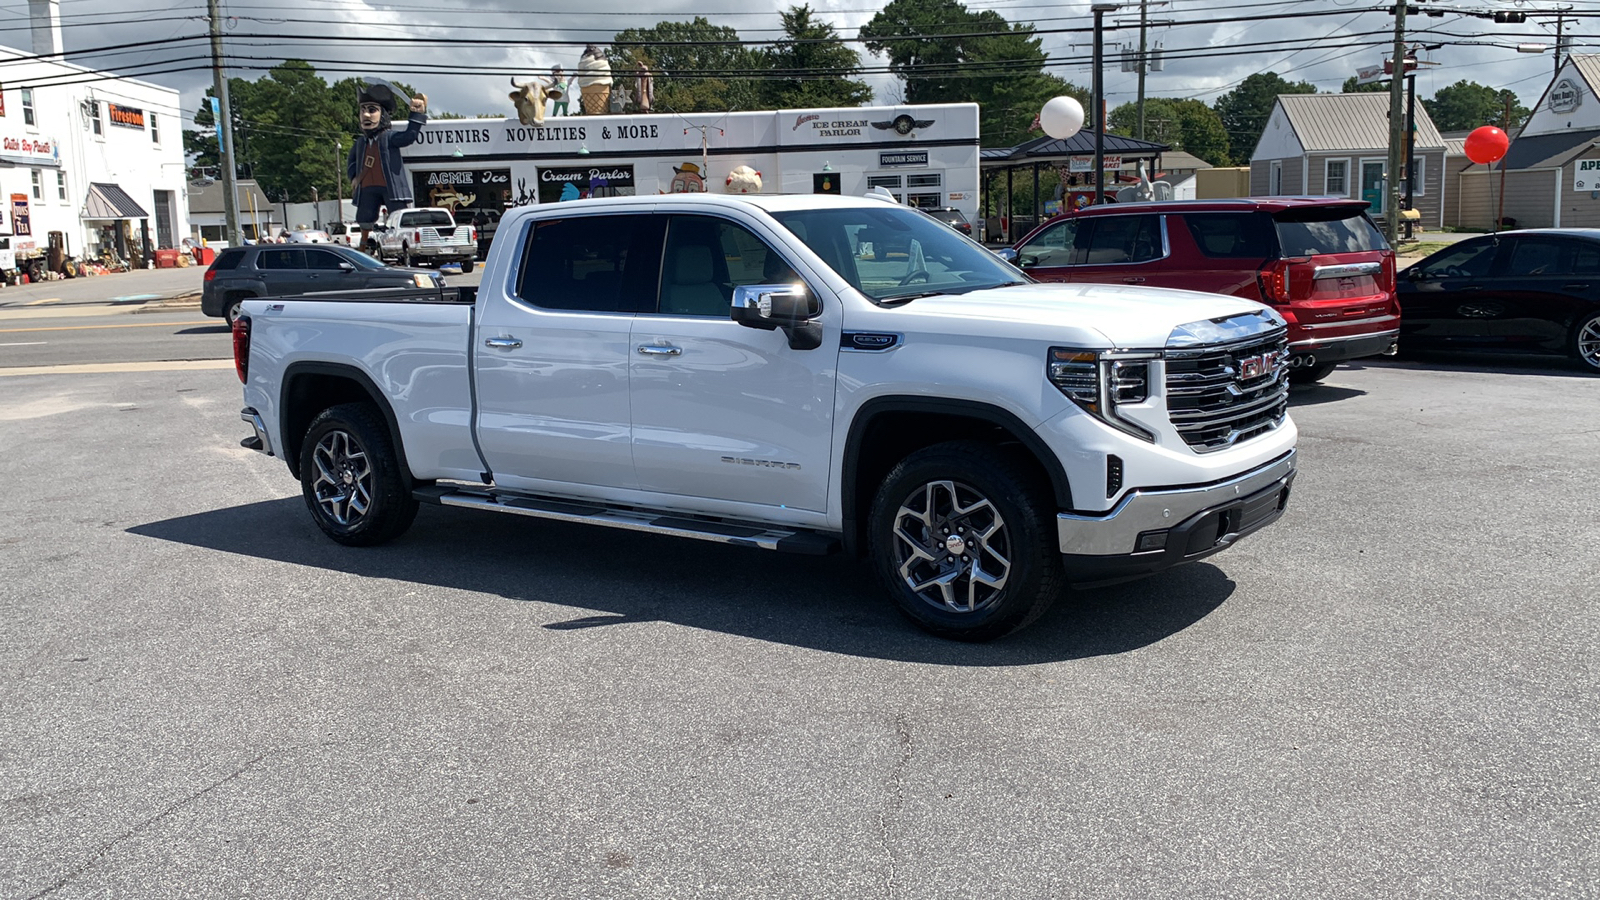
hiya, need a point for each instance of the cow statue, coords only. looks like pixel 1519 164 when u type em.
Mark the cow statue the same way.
pixel 529 100
pixel 743 180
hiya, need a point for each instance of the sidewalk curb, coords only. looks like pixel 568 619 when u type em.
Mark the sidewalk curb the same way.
pixel 190 300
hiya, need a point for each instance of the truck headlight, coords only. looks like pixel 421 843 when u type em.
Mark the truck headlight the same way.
pixel 1100 381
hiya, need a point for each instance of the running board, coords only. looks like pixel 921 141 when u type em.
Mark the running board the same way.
pixel 743 534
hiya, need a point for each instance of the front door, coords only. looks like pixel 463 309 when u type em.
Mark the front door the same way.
pixel 1050 254
pixel 552 359
pixel 722 411
pixel 1372 189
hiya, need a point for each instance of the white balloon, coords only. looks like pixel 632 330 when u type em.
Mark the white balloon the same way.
pixel 1061 117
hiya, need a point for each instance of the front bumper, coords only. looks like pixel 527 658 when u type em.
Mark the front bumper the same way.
pixel 1174 525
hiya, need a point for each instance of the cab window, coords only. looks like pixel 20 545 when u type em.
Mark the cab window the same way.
pixel 706 258
pixel 1471 259
pixel 592 263
pixel 1124 239
pixel 281 259
pixel 1054 246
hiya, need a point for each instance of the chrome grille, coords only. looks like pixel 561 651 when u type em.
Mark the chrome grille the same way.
pixel 1222 394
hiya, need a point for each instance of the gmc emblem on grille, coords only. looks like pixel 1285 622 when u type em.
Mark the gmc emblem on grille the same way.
pixel 1255 366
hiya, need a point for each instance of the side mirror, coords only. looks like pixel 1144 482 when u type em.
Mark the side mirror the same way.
pixel 1008 254
pixel 346 267
pixel 773 306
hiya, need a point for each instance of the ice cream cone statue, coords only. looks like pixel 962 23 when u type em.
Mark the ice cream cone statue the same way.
pixel 594 81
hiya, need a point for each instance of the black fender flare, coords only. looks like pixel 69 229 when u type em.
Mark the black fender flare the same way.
pixel 336 370
pixel 970 409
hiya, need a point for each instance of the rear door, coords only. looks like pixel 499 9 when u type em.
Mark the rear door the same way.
pixel 282 269
pixel 1546 279
pixel 1446 298
pixel 1220 252
pixel 553 351
pixel 722 411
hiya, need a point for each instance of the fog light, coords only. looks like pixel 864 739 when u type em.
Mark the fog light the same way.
pixel 1151 540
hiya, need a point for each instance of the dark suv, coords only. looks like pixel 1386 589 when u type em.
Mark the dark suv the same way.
pixel 277 270
pixel 1320 262
pixel 951 216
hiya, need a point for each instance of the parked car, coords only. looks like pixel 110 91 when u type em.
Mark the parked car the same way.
pixel 483 222
pixel 1534 291
pixel 425 236
pixel 344 233
pixel 277 270
pixel 308 236
pixel 952 217
pixel 1320 262
pixel 738 369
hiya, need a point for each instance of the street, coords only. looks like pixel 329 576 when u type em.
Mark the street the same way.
pixel 1389 693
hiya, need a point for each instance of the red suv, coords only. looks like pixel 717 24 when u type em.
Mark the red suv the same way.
pixel 1319 262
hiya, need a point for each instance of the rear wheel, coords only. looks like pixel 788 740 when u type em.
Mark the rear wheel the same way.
pixel 1586 342
pixel 351 478
pixel 1310 374
pixel 961 539
pixel 466 266
pixel 231 308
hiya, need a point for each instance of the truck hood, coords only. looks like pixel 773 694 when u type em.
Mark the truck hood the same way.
pixel 1122 317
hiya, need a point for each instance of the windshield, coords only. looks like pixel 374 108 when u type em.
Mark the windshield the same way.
pixel 892 252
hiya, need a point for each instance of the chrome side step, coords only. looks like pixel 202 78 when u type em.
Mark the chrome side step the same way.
pixel 744 534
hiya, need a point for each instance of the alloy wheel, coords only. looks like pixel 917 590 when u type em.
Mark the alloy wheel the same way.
pixel 344 479
pixel 1589 343
pixel 952 548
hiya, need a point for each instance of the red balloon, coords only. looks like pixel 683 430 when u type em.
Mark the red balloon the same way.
pixel 1486 145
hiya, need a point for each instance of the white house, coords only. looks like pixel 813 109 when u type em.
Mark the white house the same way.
pixel 88 159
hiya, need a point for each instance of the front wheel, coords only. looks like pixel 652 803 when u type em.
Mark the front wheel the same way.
pixel 405 256
pixel 961 537
pixel 1586 342
pixel 351 478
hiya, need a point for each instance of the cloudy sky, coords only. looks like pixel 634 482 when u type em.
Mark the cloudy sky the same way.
pixel 1210 45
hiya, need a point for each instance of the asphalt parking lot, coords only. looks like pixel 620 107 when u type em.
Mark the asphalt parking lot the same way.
pixel 1389 693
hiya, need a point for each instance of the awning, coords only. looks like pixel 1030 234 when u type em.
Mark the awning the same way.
pixel 43 162
pixel 109 201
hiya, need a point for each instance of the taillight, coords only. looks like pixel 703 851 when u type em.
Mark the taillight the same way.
pixel 416 237
pixel 210 274
pixel 1386 281
pixel 472 235
pixel 241 347
pixel 1277 285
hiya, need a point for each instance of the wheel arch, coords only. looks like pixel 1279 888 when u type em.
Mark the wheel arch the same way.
pixel 887 429
pixel 310 387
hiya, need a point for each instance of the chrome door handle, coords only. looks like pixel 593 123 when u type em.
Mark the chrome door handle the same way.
pixel 503 343
pixel 1134 279
pixel 648 350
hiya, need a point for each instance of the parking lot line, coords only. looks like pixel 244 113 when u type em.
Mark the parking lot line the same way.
pixel 91 327
pixel 171 365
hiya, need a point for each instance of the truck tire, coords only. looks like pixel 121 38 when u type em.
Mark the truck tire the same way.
pixel 405 256
pixel 466 266
pixel 1586 342
pixel 961 537
pixel 351 478
pixel 1310 374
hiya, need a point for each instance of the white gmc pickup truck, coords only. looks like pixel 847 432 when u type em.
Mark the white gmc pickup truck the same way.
pixel 799 373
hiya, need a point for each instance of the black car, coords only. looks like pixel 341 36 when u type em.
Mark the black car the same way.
pixel 951 216
pixel 278 270
pixel 1533 291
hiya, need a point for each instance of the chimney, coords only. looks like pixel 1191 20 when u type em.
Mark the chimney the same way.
pixel 46 19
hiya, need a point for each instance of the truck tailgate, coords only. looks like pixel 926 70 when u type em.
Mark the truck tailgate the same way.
pixel 411 354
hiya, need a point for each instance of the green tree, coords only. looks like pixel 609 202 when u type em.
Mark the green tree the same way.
pixel 1372 87
pixel 1244 110
pixel 946 53
pixel 1187 125
pixel 810 66
pixel 1466 105
pixel 691 75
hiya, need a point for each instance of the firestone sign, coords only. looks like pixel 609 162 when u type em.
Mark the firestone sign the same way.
pixel 126 116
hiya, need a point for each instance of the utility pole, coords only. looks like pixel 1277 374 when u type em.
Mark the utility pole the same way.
pixel 230 201
pixel 1144 8
pixel 1411 138
pixel 1560 20
pixel 1397 122
pixel 338 179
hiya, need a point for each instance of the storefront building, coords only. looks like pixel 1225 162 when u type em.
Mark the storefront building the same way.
pixel 923 155
pixel 89 162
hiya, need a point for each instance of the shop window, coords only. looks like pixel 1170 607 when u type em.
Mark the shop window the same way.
pixel 28 117
pixel 91 117
pixel 61 186
pixel 923 201
pixel 155 130
pixel 1419 179
pixel 38 185
pixel 927 179
pixel 892 182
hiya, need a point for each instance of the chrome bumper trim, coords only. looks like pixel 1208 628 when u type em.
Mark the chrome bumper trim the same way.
pixel 264 443
pixel 1115 533
pixel 1392 334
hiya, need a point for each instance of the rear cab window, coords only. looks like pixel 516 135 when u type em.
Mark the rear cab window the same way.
pixel 593 263
pixel 1245 235
pixel 427 218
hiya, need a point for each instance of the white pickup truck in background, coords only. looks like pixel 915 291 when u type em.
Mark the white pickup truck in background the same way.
pixel 802 373
pixel 427 236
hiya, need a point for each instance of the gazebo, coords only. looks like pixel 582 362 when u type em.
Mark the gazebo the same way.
pixel 1076 153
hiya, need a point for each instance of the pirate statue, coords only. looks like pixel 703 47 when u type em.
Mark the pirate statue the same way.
pixel 378 177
